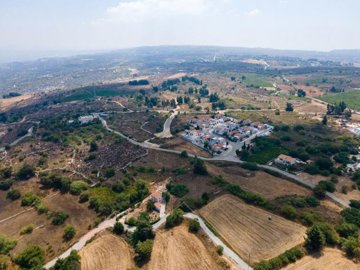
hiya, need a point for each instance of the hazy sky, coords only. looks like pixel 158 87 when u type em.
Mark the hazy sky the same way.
pixel 111 24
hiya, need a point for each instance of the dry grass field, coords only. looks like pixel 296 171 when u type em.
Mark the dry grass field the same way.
pixel 259 182
pixel 10 102
pixel 107 252
pixel 249 231
pixel 331 259
pixel 177 249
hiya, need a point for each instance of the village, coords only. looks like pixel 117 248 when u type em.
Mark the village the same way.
pixel 216 133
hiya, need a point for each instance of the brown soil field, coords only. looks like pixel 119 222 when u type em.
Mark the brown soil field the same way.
pixel 311 108
pixel 262 183
pixel 330 259
pixel 7 103
pixel 13 217
pixel 249 231
pixel 107 252
pixel 177 249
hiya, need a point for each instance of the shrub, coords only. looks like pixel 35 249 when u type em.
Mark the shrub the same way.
pixel 289 256
pixel 178 190
pixel 319 192
pixel 84 197
pixel 194 226
pixel 25 172
pixel 13 194
pixel 220 250
pixel 331 236
pixel 179 171
pixel 118 186
pixel 27 229
pixel 312 201
pixel 6 244
pixel 69 233
pixel 131 221
pixel 150 206
pixel 355 204
pixel 118 228
pixel 351 247
pixel 310 218
pixel 174 219
pixel 327 185
pixel 110 172
pixel 59 218
pixel 77 187
pixel 289 212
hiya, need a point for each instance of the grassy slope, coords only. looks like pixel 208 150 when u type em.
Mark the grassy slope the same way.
pixel 351 98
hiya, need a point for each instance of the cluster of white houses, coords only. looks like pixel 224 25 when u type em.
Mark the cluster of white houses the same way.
pixel 213 132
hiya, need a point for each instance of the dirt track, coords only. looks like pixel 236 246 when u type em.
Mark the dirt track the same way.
pixel 332 259
pixel 249 231
pixel 177 249
pixel 107 252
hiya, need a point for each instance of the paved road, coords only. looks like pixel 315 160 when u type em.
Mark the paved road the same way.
pixel 231 157
pixel 166 133
pixel 28 134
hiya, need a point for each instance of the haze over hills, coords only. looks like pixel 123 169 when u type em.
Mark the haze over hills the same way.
pixel 84 69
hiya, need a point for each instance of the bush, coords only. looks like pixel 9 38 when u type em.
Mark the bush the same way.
pixel 319 192
pixel 249 166
pixel 331 236
pixel 310 218
pixel 178 190
pixel 25 172
pixel 150 206
pixel 248 197
pixel 351 247
pixel 27 229
pixel 118 228
pixel 348 230
pixel 118 186
pixel 289 256
pixel 6 244
pixel 289 212
pixel 70 263
pixel 32 257
pixel 30 199
pixel 110 172
pixel 77 187
pixel 131 221
pixel 351 215
pixel 327 185
pixel 59 218
pixel 143 250
pixel 13 194
pixel 69 233
pixel 174 219
pixel 194 226
pixel 220 250
pixel 5 184
pixel 355 204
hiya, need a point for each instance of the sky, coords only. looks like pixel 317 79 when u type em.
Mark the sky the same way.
pixel 91 25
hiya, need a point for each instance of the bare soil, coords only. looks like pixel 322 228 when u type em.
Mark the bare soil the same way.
pixel 107 252
pixel 253 233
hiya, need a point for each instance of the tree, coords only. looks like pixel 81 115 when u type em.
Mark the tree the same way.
pixel 194 226
pixel 13 194
pixel 289 211
pixel 184 154
pixel 32 257
pixel 6 244
pixel 324 120
pixel 150 206
pixel 59 218
pixel 93 146
pixel 289 107
pixel 143 250
pixel 348 230
pixel 72 262
pixel 25 172
pixel 301 93
pixel 199 166
pixel 166 196
pixel 179 100
pixel 174 219
pixel 315 239
pixel 69 233
pixel 118 228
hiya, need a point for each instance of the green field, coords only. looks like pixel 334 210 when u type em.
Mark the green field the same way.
pixel 252 80
pixel 351 98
